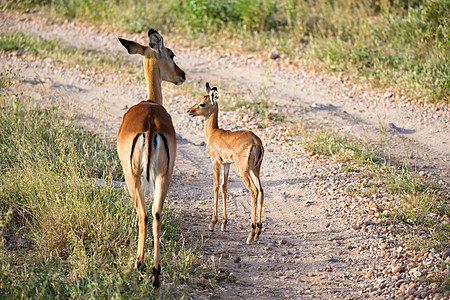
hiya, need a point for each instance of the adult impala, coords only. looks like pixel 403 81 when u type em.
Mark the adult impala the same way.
pixel 243 148
pixel 146 143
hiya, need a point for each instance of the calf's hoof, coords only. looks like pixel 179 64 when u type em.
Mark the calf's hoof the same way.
pixel 251 235
pixel 224 225
pixel 258 230
pixel 211 225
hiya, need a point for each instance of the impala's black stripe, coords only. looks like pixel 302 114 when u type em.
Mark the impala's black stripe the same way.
pixel 260 154
pixel 132 148
pixel 167 150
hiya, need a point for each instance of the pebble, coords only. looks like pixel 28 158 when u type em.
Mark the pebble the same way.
pixel 192 296
pixel 397 269
pixel 274 54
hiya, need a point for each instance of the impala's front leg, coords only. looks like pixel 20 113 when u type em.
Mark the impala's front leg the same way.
pixel 225 170
pixel 216 175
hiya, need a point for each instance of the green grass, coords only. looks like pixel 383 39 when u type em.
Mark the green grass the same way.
pixel 424 205
pixel 259 108
pixel 59 52
pixel 63 236
pixel 401 46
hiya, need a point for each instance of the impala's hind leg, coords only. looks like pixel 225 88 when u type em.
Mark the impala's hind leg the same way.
pixel 260 197
pixel 245 176
pixel 161 188
pixel 225 172
pixel 137 194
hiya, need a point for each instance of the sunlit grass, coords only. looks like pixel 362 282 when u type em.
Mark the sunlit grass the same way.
pixel 424 204
pixel 392 45
pixel 61 53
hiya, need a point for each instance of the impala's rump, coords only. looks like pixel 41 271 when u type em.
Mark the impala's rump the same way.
pixel 145 151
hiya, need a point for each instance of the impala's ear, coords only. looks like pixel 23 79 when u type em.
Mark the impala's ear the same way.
pixel 132 47
pixel 155 40
pixel 207 88
pixel 213 95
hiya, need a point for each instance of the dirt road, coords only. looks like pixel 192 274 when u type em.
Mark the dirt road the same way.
pixel 320 240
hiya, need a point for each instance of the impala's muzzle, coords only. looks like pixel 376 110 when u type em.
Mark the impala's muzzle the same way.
pixel 190 113
pixel 182 77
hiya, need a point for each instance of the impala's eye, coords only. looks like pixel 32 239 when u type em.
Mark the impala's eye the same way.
pixel 203 104
pixel 171 54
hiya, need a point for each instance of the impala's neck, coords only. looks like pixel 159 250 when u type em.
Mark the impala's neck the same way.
pixel 153 77
pixel 211 122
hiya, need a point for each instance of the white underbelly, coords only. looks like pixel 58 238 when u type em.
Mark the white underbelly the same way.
pixel 228 161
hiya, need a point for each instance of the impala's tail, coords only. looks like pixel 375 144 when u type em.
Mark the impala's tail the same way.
pixel 257 153
pixel 145 157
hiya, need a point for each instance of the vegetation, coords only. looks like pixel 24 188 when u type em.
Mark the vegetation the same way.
pixel 397 45
pixel 424 204
pixel 63 235
pixel 59 52
pixel 259 108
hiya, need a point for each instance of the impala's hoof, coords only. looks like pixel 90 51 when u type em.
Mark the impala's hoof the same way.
pixel 140 266
pixel 211 226
pixel 250 238
pixel 224 226
pixel 156 282
pixel 258 230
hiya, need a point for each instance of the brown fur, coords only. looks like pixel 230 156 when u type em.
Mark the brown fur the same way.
pixel 243 147
pixel 143 124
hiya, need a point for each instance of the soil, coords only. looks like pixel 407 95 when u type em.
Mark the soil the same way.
pixel 320 239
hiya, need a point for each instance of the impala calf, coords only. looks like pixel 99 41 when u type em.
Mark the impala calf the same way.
pixel 146 143
pixel 243 148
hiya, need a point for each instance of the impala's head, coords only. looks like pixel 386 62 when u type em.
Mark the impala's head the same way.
pixel 168 69
pixel 207 104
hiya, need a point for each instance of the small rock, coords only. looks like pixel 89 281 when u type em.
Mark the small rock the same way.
pixel 397 269
pixel 274 54
pixel 311 153
pixel 387 95
pixel 237 259
pixel 387 271
pixel 282 242
pixel 392 126
pixel 21 242
pixel 331 259
pixel 192 296
pixel 415 272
